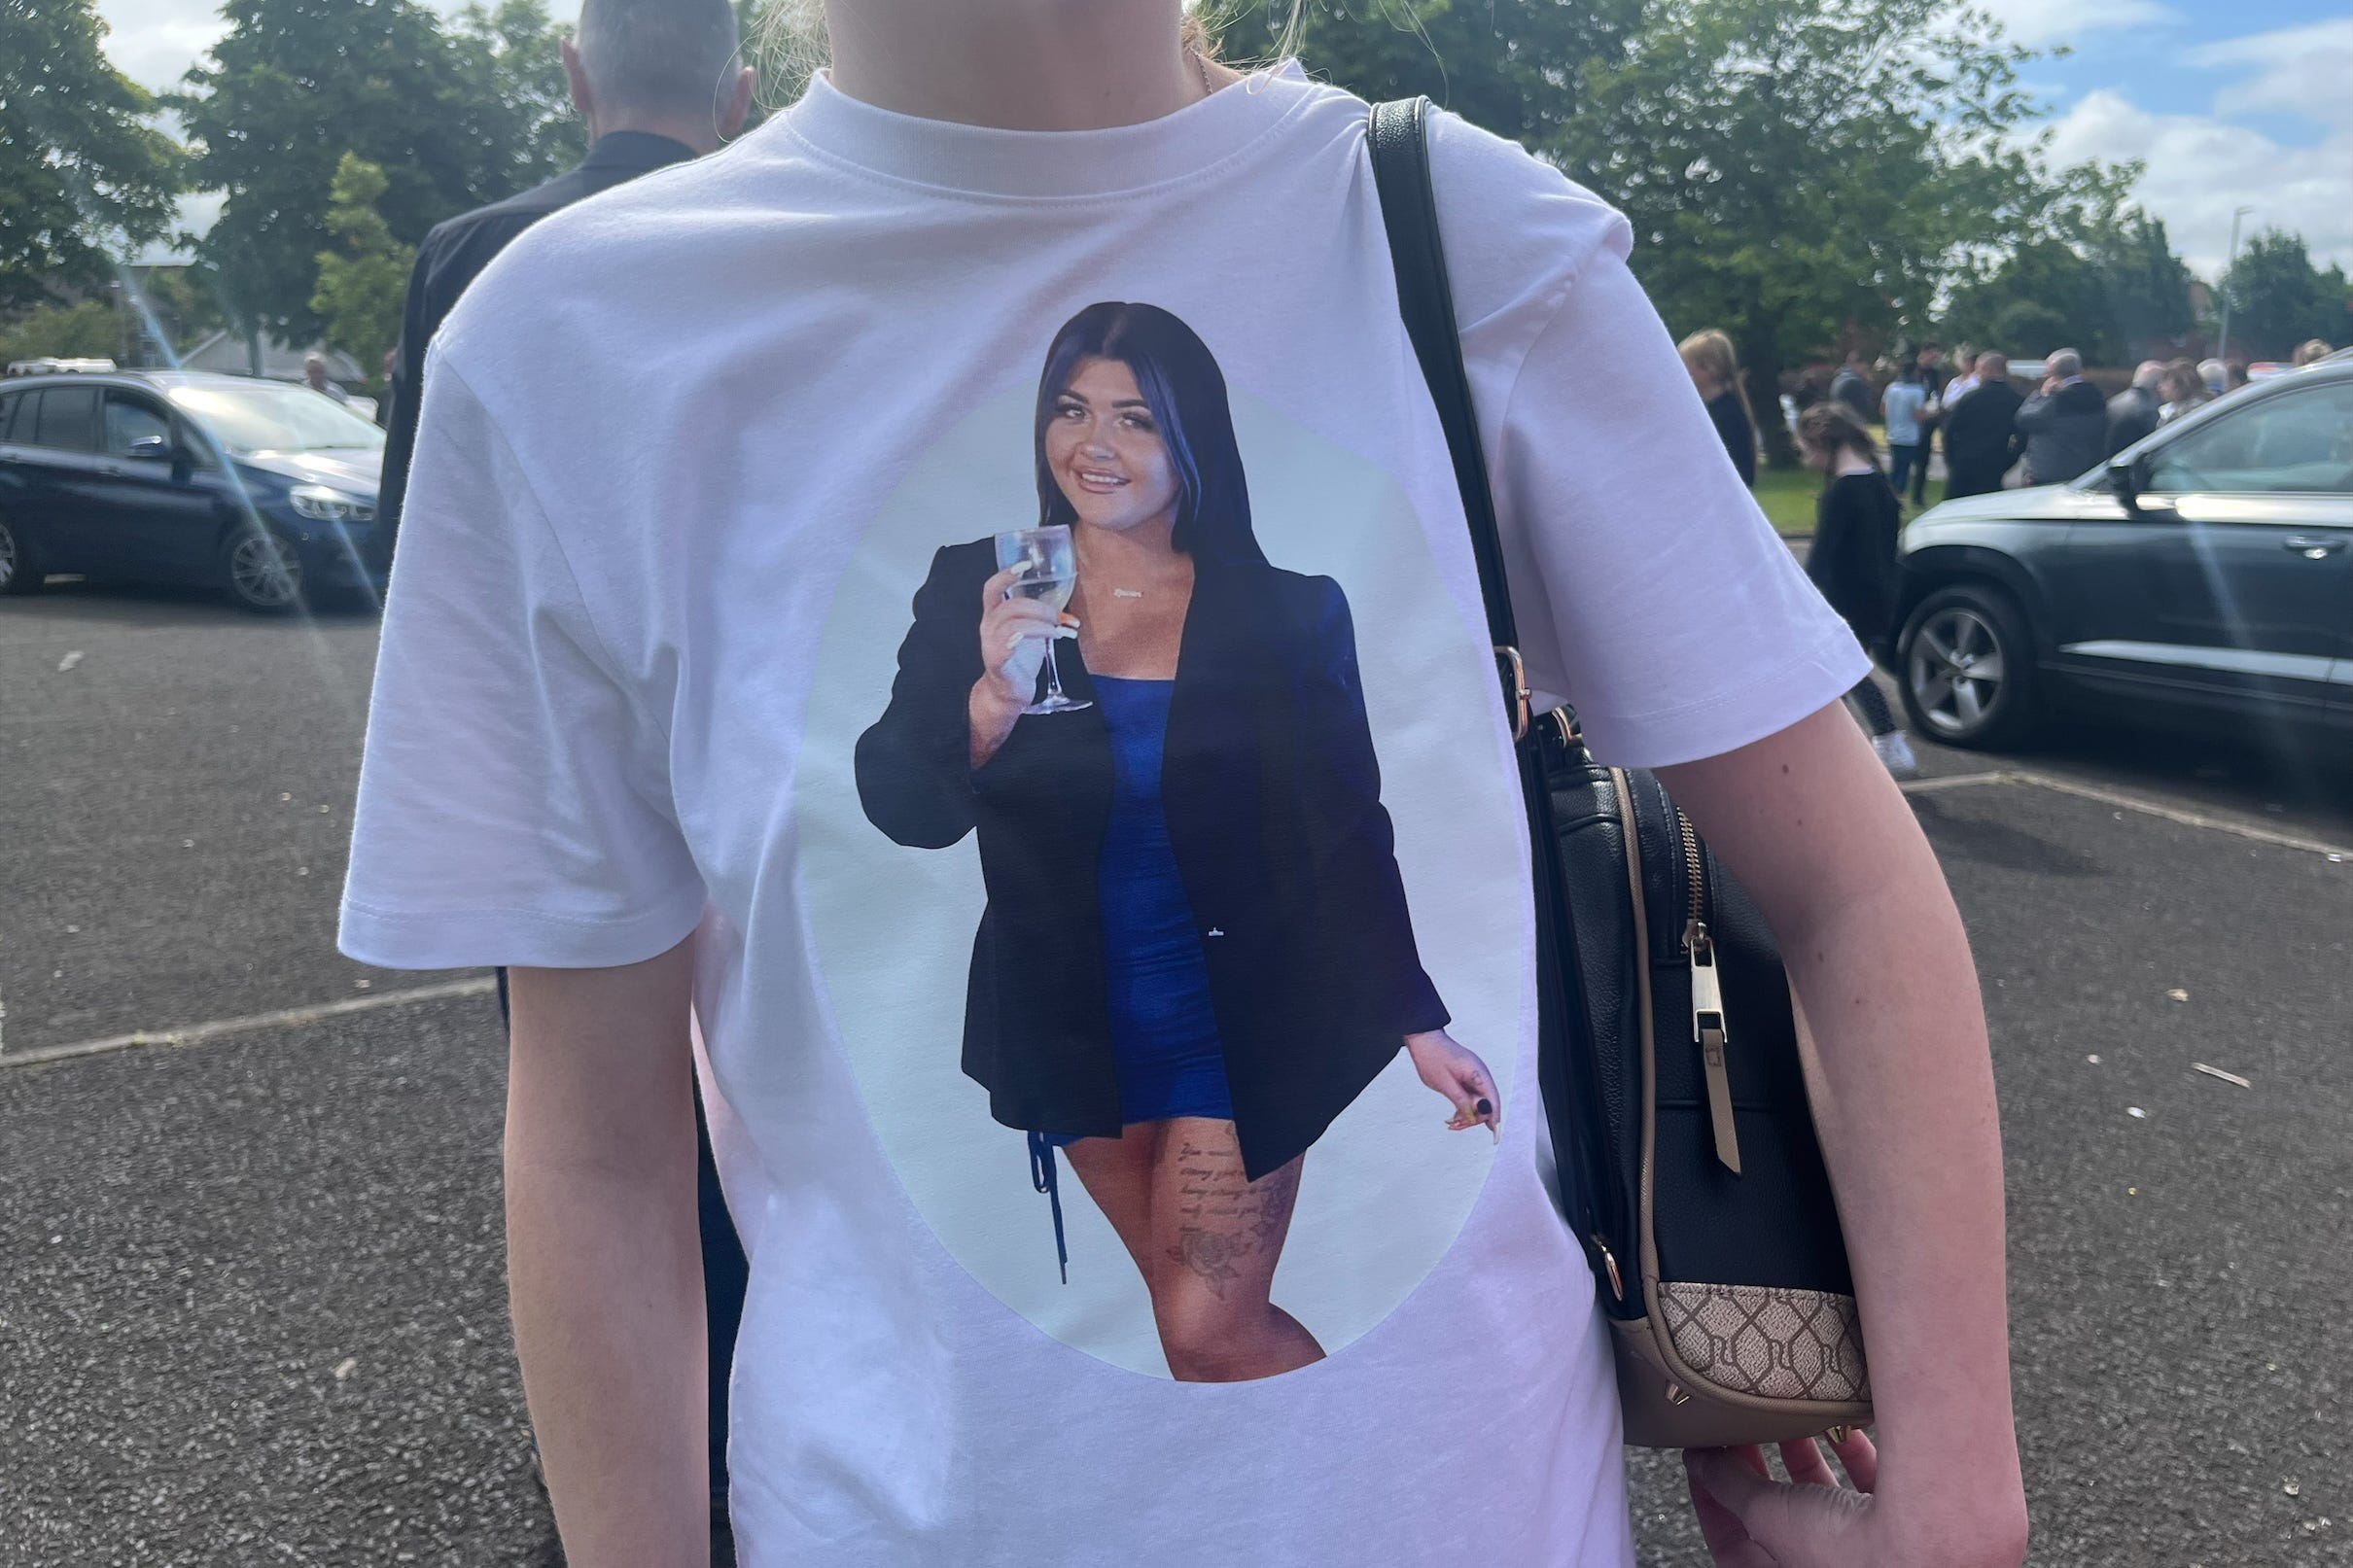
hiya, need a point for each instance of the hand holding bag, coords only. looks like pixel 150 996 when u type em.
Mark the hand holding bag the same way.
pixel 1672 1070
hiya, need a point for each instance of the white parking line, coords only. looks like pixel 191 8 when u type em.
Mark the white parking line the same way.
pixel 196 1034
pixel 2135 803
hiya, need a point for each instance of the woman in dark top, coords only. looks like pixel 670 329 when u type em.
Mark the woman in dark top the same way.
pixel 1196 950
pixel 1715 369
pixel 1852 559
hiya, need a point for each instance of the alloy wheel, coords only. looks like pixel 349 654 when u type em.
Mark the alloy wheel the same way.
pixel 264 571
pixel 1956 669
pixel 8 557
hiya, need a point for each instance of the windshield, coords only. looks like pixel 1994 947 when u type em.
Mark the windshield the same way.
pixel 268 416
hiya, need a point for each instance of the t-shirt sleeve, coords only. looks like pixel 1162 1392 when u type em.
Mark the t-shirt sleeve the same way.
pixel 515 804
pixel 1650 591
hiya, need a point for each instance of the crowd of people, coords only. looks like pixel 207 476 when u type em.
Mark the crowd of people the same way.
pixel 1993 434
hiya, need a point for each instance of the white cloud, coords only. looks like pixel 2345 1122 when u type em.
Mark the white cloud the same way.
pixel 2305 71
pixel 153 42
pixel 2041 23
pixel 2201 167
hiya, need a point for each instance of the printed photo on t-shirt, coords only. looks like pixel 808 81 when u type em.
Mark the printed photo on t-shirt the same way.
pixel 1173 915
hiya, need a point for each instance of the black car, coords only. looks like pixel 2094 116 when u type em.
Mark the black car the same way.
pixel 2205 572
pixel 266 490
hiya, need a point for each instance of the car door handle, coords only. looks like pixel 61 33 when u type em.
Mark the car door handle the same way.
pixel 2313 546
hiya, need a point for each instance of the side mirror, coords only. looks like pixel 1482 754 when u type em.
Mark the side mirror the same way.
pixel 155 447
pixel 2125 480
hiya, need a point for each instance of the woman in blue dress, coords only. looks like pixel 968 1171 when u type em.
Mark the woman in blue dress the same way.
pixel 1196 950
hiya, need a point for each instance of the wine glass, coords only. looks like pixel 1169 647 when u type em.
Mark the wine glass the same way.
pixel 1049 570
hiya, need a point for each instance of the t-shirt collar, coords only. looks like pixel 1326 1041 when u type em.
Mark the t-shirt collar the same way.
pixel 985 162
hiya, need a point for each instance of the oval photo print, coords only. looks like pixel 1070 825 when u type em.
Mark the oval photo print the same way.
pixel 1142 739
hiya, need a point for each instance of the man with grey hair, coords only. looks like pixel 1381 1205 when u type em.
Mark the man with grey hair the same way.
pixel 2066 422
pixel 2132 413
pixel 656 82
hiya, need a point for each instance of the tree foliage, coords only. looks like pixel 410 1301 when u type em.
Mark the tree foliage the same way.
pixel 452 119
pixel 89 329
pixel 363 278
pixel 2117 292
pixel 1806 173
pixel 2278 299
pixel 81 173
pixel 1512 66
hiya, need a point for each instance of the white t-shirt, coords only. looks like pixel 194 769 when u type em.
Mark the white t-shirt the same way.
pixel 690 450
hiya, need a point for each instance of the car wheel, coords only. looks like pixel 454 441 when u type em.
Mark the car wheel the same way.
pixel 1967 667
pixel 261 572
pixel 19 572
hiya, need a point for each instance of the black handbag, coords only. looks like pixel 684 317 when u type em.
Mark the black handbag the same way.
pixel 1672 1069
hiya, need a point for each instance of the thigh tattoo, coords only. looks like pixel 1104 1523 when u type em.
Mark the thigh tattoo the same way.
pixel 1227 1223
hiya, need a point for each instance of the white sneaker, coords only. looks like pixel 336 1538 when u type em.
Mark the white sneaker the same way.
pixel 1896 751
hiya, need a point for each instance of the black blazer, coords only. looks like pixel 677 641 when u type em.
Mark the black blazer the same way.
pixel 1273 797
pixel 1982 439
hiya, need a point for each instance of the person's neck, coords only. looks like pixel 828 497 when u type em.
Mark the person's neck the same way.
pixel 703 139
pixel 1850 465
pixel 1017 64
pixel 1137 559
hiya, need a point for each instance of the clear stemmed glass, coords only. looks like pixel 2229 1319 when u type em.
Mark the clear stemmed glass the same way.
pixel 1049 570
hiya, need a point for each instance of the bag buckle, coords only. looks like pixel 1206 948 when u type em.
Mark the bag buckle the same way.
pixel 1514 672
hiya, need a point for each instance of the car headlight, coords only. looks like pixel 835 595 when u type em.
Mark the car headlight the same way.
pixel 322 504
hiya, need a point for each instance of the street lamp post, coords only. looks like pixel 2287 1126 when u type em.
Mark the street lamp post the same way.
pixel 2222 350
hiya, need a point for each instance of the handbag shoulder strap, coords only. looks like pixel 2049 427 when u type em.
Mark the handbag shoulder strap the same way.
pixel 1399 140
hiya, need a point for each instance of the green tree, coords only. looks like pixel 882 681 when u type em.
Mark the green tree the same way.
pixel 452 120
pixel 2278 299
pixel 364 279
pixel 1803 170
pixel 512 82
pixel 2117 292
pixel 89 329
pixel 83 177
pixel 1512 66
pixel 2147 287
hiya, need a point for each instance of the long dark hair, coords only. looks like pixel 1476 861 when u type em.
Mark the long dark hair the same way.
pixel 1186 392
pixel 1830 426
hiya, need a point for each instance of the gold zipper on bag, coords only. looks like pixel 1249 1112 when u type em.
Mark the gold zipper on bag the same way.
pixel 1708 1024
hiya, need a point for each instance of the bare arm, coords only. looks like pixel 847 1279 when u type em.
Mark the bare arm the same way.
pixel 1811 825
pixel 603 1266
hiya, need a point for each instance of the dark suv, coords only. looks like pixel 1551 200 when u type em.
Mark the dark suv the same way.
pixel 2207 570
pixel 266 490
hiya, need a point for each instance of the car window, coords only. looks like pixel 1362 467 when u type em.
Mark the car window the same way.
pixel 130 418
pixel 70 419
pixel 265 416
pixel 8 414
pixel 2300 442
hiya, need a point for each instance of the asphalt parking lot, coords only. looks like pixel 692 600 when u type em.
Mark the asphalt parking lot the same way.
pixel 250 1269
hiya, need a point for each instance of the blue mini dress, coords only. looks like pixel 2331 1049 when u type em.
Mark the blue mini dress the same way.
pixel 1163 1033
pixel 1164 1030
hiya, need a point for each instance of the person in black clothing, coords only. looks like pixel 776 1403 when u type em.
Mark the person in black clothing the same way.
pixel 2065 423
pixel 2132 413
pixel 1928 368
pixel 1715 369
pixel 1981 443
pixel 1852 560
pixel 1852 386
pixel 657 84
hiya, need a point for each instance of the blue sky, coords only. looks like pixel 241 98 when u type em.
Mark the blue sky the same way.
pixel 2230 102
pixel 2248 103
